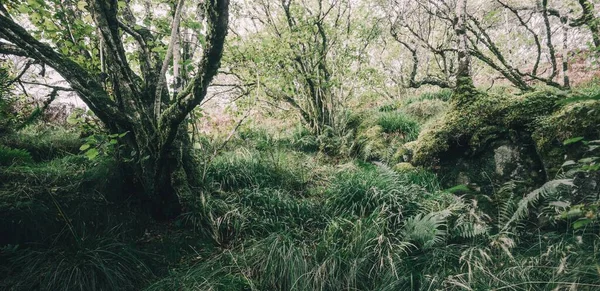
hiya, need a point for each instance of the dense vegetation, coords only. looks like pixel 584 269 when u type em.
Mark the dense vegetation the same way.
pixel 328 176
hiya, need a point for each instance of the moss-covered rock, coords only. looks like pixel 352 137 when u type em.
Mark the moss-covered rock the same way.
pixel 473 124
pixel 486 139
pixel 573 120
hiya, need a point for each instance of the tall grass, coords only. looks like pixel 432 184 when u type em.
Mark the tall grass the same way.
pixel 246 168
pixel 396 122
pixel 360 193
pixel 98 263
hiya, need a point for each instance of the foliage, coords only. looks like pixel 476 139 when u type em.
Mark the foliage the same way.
pixel 92 264
pixel 573 120
pixel 362 192
pixel 44 143
pixel 245 168
pixel 6 116
pixel 325 71
pixel 9 156
pixel 397 123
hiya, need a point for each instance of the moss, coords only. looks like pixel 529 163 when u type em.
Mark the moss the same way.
pixel 403 167
pixel 525 109
pixel 476 119
pixel 574 120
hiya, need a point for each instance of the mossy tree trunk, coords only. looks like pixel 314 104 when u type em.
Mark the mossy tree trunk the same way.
pixel 464 82
pixel 139 104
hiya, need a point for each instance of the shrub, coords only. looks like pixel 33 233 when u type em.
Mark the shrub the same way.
pixel 273 210
pixel 443 95
pixel 6 103
pixel 302 139
pixel 217 274
pixel 426 109
pixel 244 168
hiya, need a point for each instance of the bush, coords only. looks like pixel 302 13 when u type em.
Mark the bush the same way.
pixel 216 274
pixel 426 109
pixel 362 192
pixel 6 114
pixel 271 210
pixel 36 199
pixel 443 95
pixel 302 139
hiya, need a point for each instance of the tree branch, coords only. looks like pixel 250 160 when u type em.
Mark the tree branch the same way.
pixel 217 12
pixel 165 65
pixel 90 90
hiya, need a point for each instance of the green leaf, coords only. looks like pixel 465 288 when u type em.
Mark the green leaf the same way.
pixel 92 154
pixel 84 147
pixel 573 140
pixel 581 223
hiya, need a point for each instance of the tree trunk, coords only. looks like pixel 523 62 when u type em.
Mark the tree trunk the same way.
pixel 464 82
pixel 164 178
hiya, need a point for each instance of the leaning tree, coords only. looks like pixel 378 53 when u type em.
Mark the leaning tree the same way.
pixel 119 56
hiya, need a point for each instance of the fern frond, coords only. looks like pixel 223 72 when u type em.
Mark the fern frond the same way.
pixel 522 209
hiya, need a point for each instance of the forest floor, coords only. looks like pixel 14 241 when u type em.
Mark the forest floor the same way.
pixel 276 212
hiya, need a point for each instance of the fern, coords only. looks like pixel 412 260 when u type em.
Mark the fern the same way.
pixel 426 230
pixel 522 210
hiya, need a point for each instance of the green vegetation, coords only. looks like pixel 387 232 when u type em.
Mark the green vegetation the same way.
pixel 272 215
pixel 318 161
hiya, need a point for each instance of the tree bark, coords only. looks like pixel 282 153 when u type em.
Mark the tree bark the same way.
pixel 464 82
pixel 157 143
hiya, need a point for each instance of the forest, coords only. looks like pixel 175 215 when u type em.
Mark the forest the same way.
pixel 299 145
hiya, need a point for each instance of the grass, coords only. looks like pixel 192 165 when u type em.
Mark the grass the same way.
pixel 44 143
pixel 91 264
pixel 247 168
pixel 274 214
pixel 395 122
pixel 10 156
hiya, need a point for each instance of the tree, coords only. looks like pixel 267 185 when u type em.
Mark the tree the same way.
pixel 311 56
pixel 515 40
pixel 118 66
pixel 463 72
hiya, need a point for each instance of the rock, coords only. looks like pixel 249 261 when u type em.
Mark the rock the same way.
pixel 504 161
